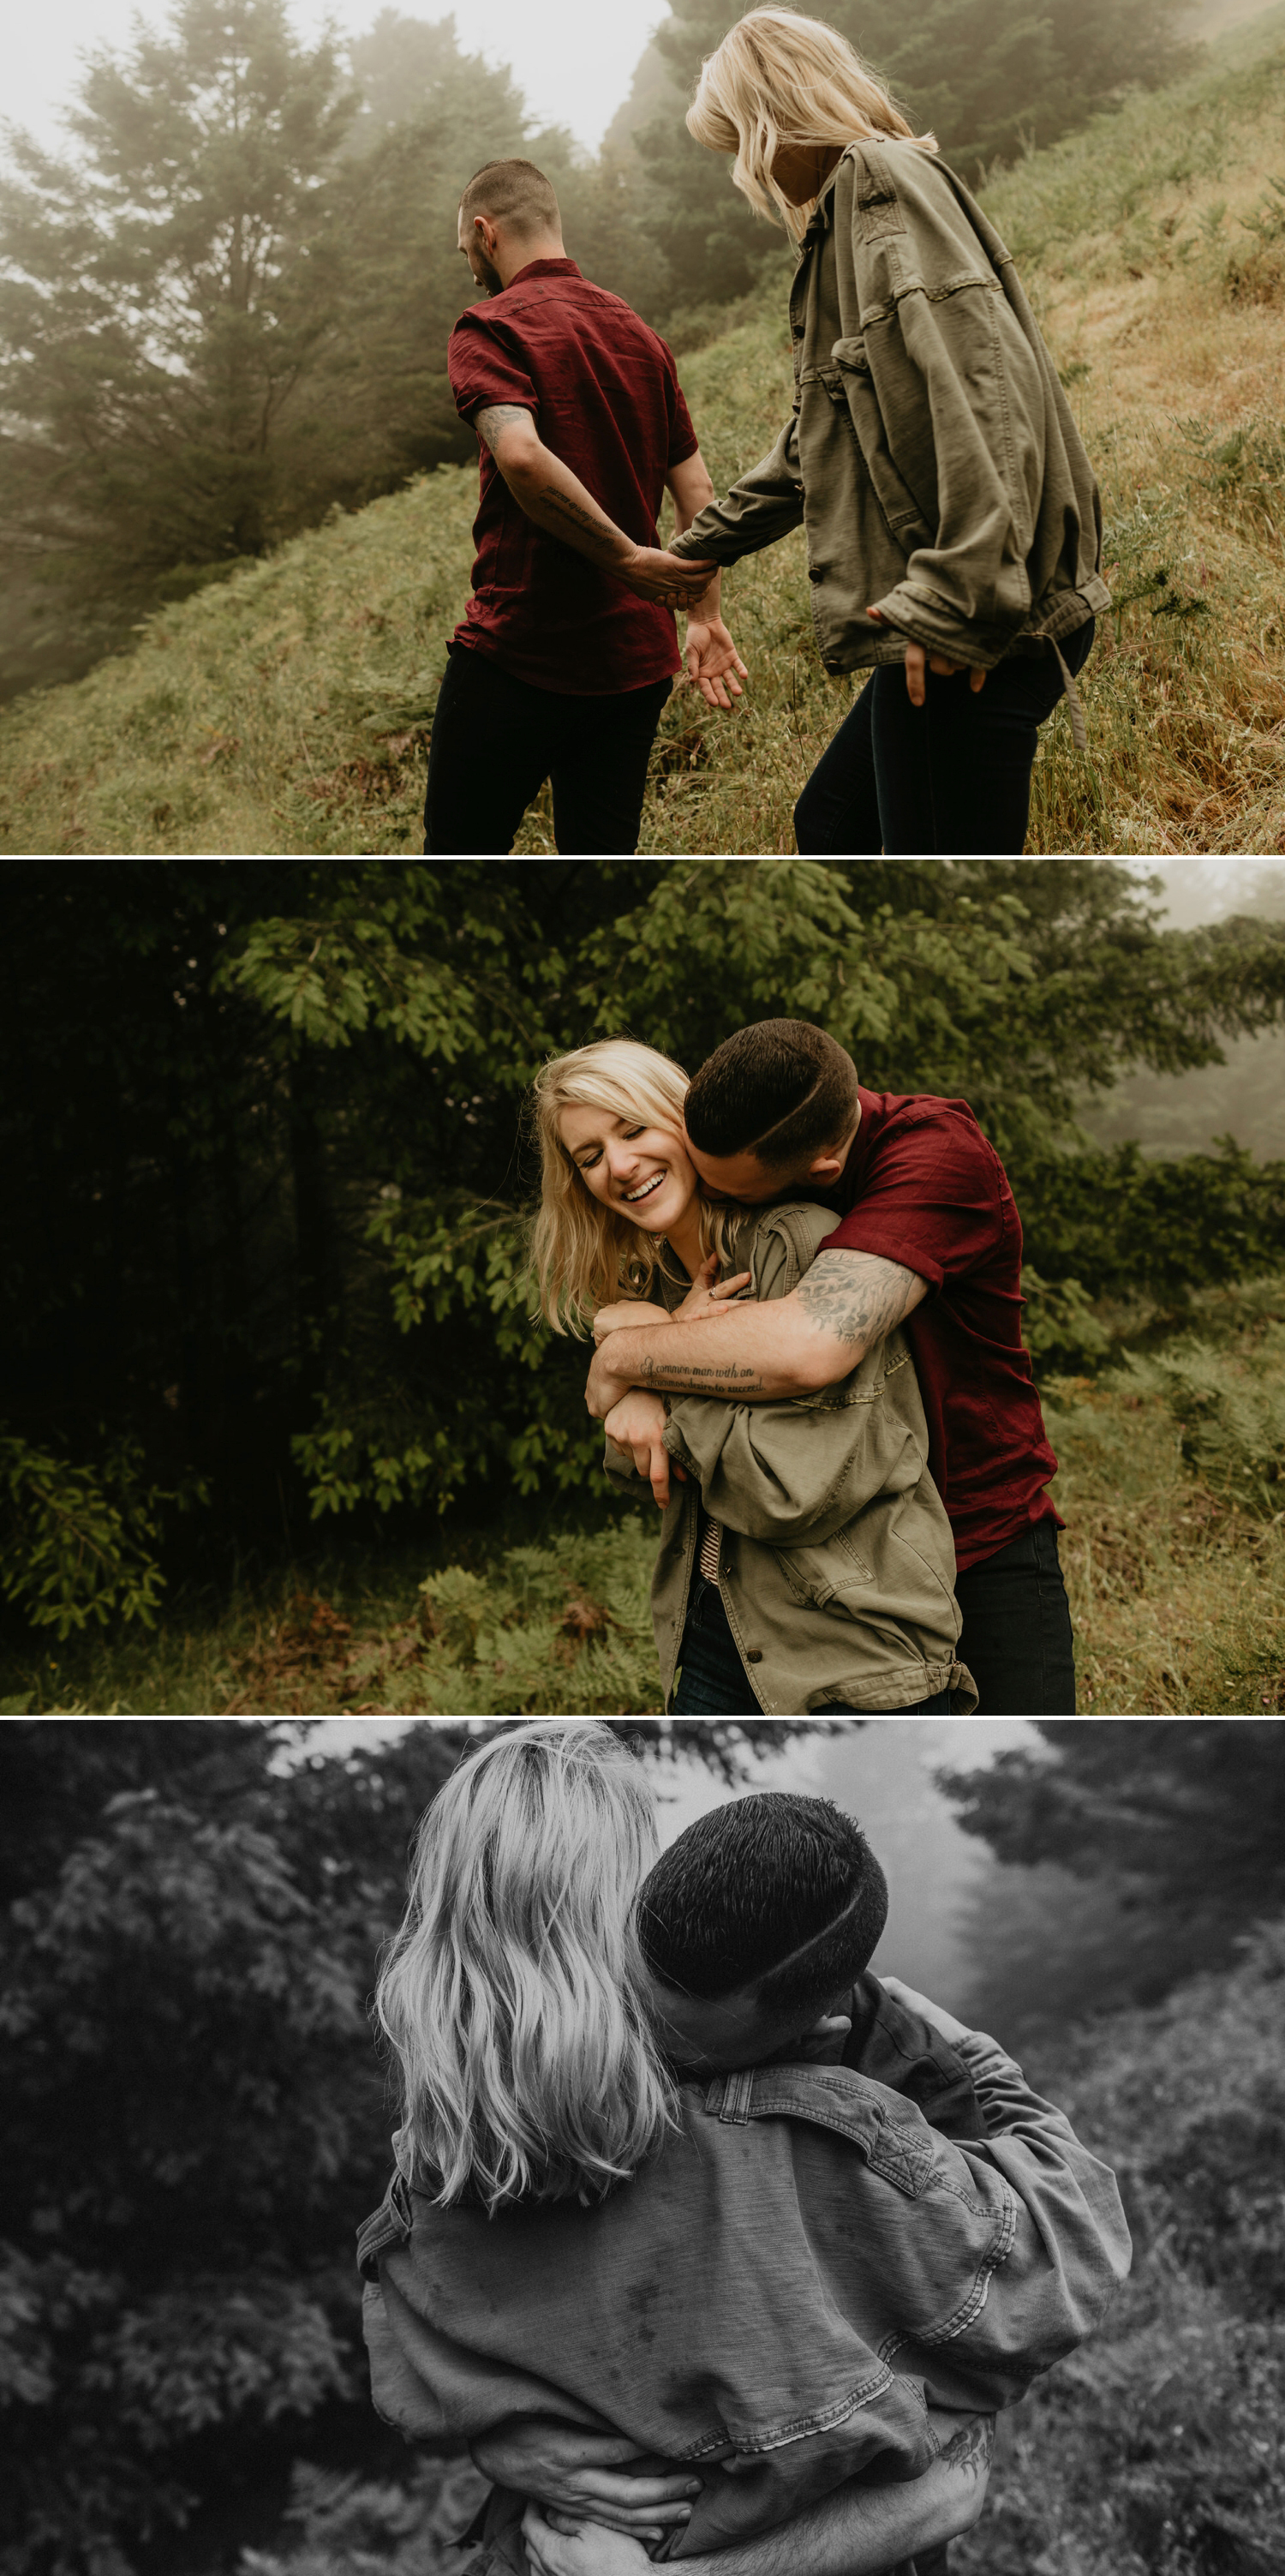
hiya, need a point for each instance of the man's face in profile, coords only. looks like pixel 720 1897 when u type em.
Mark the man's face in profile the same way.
pixel 471 243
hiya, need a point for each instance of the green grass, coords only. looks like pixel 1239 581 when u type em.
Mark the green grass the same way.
pixel 288 709
pixel 1174 1554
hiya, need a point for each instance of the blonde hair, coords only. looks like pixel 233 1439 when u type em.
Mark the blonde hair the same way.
pixel 777 78
pixel 582 1253
pixel 513 1993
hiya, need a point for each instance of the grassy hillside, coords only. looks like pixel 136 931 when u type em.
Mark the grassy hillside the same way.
pixel 1174 1554
pixel 288 709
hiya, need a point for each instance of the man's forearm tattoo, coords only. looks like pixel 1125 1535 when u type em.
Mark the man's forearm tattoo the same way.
pixel 972 2445
pixel 606 539
pixel 856 1299
pixel 685 1378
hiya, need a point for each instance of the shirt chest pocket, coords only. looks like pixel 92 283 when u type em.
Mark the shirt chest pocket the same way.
pixel 827 1578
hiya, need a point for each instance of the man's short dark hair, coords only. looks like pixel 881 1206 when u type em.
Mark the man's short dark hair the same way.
pixel 513 193
pixel 775 1891
pixel 781 1090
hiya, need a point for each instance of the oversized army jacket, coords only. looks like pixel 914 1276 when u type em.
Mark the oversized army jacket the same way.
pixel 931 453
pixel 777 2296
pixel 836 1563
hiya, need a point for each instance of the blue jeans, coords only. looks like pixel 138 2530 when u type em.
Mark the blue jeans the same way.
pixel 953 775
pixel 713 1683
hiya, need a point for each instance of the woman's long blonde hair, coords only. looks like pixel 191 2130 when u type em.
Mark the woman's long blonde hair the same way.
pixel 582 1254
pixel 513 1994
pixel 777 78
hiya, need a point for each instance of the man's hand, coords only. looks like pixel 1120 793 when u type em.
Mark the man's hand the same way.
pixel 937 2014
pixel 637 1424
pixel 562 2547
pixel 708 1294
pixel 575 2474
pixel 652 574
pixel 713 664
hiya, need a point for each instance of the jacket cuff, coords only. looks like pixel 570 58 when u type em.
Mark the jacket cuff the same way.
pixel 927 619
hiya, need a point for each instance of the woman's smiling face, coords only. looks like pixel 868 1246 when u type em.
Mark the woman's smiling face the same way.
pixel 640 1172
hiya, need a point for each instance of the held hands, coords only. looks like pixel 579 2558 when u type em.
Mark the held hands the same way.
pixel 576 2474
pixel 713 664
pixel 669 579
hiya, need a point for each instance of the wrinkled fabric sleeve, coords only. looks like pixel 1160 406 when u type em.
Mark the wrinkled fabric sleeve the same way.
pixel 759 1476
pixel 764 504
pixel 971 579
pixel 1070 2247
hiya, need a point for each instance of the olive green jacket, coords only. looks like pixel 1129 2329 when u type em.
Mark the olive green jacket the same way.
pixel 931 454
pixel 836 1563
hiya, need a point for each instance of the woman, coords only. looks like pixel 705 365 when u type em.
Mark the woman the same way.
pixel 953 523
pixel 806 1561
pixel 549 2163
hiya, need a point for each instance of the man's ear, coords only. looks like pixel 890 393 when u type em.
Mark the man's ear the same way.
pixel 827 1166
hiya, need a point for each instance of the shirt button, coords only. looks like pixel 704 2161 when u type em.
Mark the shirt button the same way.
pixel 754 1654
pixel 815 573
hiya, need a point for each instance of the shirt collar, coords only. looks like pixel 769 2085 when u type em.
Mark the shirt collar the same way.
pixel 543 268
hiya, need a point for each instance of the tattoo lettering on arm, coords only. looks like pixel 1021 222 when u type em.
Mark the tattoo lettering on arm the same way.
pixel 605 538
pixel 494 418
pixel 731 1381
pixel 857 1297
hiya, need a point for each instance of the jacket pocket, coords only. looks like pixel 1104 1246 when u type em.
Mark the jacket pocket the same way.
pixel 824 1577
pixel 905 515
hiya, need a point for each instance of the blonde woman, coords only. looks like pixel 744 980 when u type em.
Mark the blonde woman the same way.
pixel 531 2282
pixel 953 524
pixel 592 2261
pixel 806 1561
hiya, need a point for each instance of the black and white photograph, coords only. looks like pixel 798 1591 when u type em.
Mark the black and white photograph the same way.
pixel 552 2147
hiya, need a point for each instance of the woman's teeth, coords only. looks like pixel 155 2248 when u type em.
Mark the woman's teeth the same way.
pixel 633 1196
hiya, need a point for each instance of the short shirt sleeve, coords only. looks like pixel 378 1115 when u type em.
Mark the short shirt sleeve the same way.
pixel 932 1203
pixel 683 441
pixel 486 367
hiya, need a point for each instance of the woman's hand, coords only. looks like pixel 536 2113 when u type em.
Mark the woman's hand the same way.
pixel 626 1312
pixel 713 664
pixel 918 660
pixel 708 1294
pixel 561 2548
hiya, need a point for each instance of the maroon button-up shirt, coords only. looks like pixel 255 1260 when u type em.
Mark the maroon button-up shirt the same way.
pixel 606 399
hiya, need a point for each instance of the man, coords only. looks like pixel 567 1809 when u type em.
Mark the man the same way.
pixel 755 1922
pixel 928 1237
pixel 567 651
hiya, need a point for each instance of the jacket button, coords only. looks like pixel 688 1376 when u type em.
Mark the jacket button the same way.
pixel 815 573
pixel 754 1654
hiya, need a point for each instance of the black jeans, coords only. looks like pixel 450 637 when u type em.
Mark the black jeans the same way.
pixel 712 1679
pixel 951 776
pixel 496 740
pixel 1016 1638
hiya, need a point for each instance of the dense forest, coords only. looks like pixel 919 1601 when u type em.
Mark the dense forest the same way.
pixel 196 2122
pixel 224 309
pixel 266 1174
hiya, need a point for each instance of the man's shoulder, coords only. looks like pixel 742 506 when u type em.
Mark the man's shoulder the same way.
pixel 909 1133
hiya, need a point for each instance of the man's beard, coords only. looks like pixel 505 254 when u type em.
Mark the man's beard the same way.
pixel 490 278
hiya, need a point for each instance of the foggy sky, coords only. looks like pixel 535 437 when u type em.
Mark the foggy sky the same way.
pixel 573 59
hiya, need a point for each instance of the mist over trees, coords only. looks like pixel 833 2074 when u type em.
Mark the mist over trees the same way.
pixel 224 309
